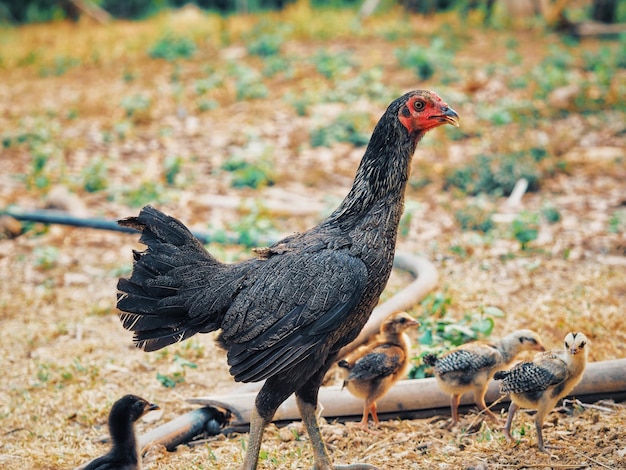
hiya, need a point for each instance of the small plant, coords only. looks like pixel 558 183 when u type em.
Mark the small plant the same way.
pixel 475 217
pixel 349 127
pixel 551 214
pixel 137 107
pixel 59 67
pixel 525 228
pixel 252 227
pixel 246 174
pixel 495 175
pixel 171 168
pixel 418 59
pixel 39 176
pixel 178 375
pixel 248 83
pixel 426 61
pixel 148 192
pixel 204 85
pixel 332 65
pixel 265 44
pixel 266 38
pixel 171 48
pixel 95 176
pixel 207 105
pixel 46 257
pixel 617 221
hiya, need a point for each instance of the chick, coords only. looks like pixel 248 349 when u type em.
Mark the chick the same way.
pixel 124 454
pixel 472 365
pixel 377 365
pixel 540 384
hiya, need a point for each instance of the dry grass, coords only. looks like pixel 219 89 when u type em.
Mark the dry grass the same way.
pixel 65 357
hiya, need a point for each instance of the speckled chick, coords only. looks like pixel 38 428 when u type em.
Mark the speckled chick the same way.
pixel 472 365
pixel 381 362
pixel 540 384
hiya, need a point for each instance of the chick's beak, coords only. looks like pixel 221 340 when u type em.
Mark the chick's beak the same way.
pixel 152 407
pixel 448 116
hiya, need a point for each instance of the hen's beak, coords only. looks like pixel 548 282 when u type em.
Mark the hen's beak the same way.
pixel 449 116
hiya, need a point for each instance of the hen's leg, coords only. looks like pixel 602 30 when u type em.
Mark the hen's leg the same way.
pixel 267 401
pixel 306 398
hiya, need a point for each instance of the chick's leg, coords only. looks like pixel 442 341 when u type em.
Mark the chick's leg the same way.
pixel 454 407
pixel 509 421
pixel 365 420
pixel 479 398
pixel 373 410
pixel 306 398
pixel 542 411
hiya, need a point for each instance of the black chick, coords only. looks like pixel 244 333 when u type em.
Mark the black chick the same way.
pixel 124 454
pixel 285 314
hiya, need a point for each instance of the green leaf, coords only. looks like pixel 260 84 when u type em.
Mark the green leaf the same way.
pixel 484 326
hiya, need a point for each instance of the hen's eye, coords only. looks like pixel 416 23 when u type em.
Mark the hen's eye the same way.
pixel 418 105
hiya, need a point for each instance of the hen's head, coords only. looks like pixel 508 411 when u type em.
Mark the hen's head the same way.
pixel 422 110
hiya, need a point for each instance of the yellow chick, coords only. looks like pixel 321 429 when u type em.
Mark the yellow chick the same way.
pixel 472 365
pixel 381 362
pixel 540 384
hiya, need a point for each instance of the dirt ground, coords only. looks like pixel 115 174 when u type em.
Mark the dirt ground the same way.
pixel 65 357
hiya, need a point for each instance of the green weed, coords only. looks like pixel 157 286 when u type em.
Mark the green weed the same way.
pixel 525 228
pixel 46 257
pixel 617 221
pixel 95 175
pixel 352 127
pixel 332 65
pixel 496 175
pixel 172 166
pixel 249 174
pixel 178 375
pixel 137 107
pixel 59 66
pixel 475 217
pixel 171 48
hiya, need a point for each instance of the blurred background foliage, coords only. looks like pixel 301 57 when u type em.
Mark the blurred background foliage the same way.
pixel 32 11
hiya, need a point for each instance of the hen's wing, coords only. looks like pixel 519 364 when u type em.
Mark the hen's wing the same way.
pixel 381 362
pixel 290 309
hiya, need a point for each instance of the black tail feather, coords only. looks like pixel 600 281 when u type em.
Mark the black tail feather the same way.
pixel 165 282
pixel 430 359
pixel 501 375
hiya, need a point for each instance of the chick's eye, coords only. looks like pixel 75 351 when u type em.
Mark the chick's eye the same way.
pixel 418 105
pixel 582 345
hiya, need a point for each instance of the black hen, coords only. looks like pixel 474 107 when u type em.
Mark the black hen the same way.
pixel 124 454
pixel 285 314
